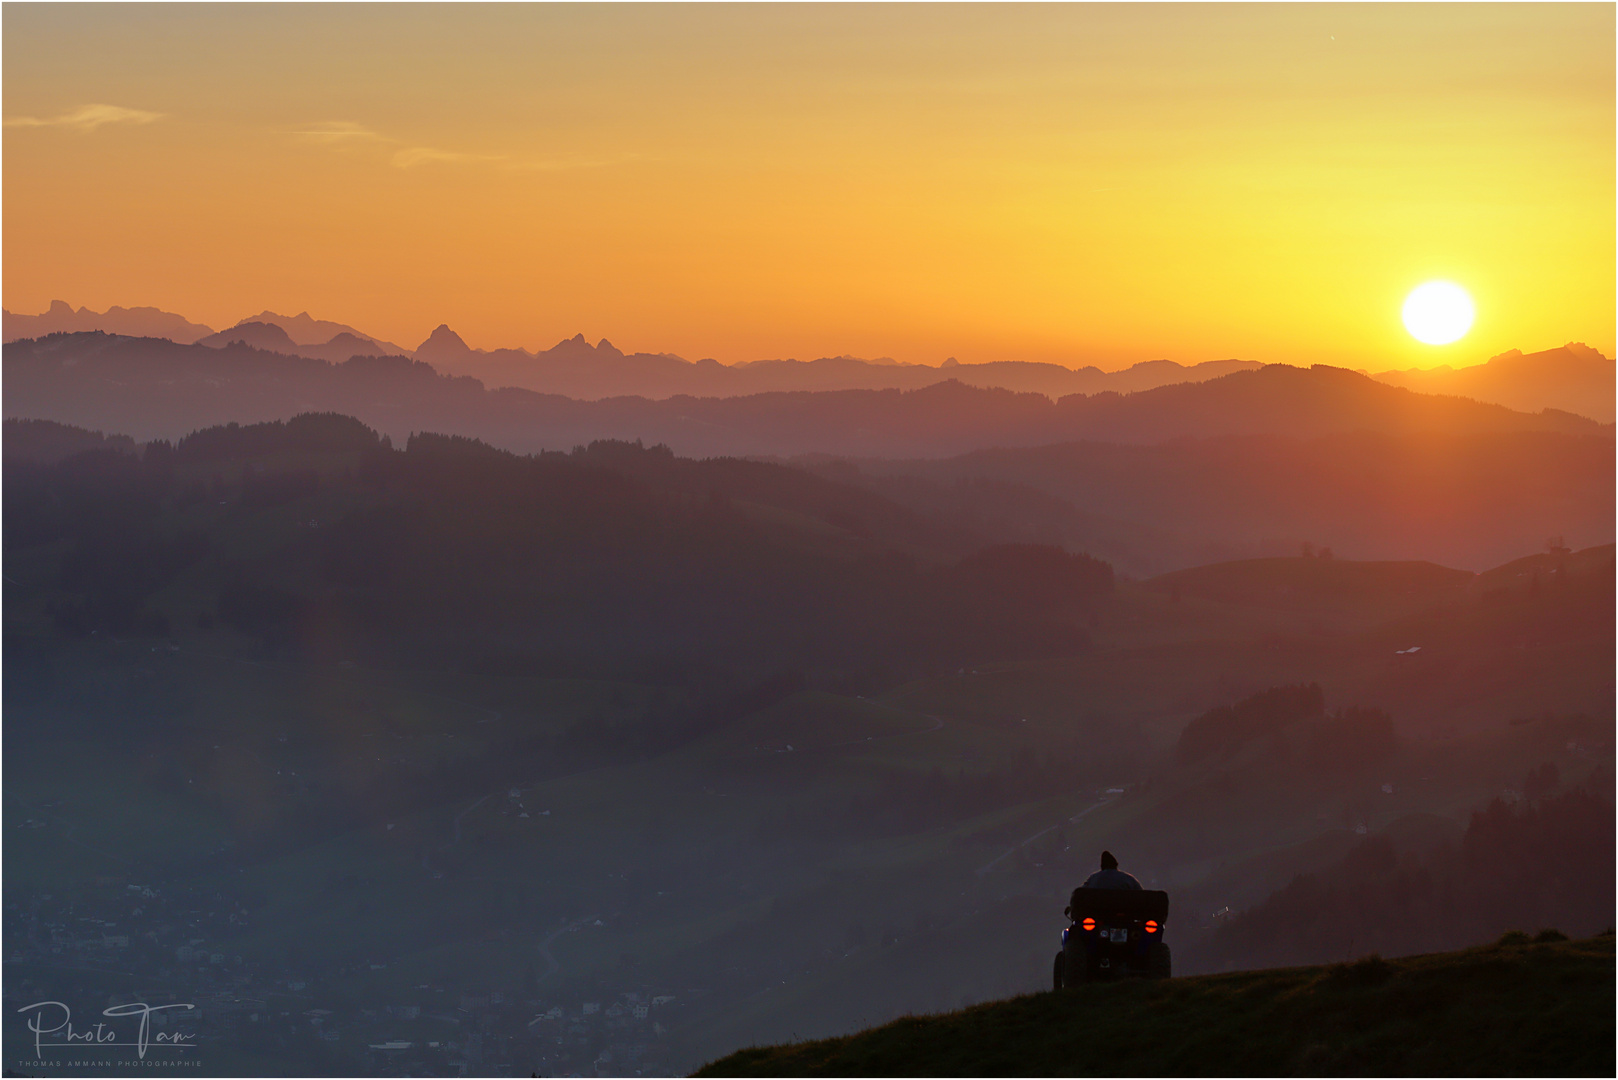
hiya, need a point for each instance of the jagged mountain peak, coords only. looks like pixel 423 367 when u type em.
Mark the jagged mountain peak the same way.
pixel 443 344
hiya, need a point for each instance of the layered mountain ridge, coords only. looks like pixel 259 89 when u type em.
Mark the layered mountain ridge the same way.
pixel 1573 378
pixel 1252 463
pixel 153 388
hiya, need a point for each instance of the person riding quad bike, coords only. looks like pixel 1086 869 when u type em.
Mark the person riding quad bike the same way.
pixel 1115 928
pixel 1109 876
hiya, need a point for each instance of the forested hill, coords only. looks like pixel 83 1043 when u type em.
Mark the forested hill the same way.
pixel 1522 1007
pixel 316 538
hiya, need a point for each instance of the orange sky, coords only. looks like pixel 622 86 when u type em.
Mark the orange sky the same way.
pixel 1078 184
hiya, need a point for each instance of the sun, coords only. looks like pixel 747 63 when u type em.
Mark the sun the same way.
pixel 1438 312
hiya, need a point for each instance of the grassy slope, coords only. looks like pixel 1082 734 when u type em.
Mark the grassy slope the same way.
pixel 1528 1009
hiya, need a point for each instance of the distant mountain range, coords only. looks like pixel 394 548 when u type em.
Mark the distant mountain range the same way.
pixel 577 369
pixel 1574 378
pixel 151 388
pixel 61 318
pixel 1252 463
pixel 296 335
pixel 273 337
pixel 306 332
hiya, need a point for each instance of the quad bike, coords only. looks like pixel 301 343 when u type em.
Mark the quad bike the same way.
pixel 1114 932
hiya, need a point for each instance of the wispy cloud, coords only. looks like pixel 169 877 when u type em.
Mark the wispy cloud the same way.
pixel 89 117
pixel 341 131
pixel 348 135
pixel 421 155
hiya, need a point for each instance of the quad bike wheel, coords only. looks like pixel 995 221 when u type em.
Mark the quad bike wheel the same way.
pixel 1070 970
pixel 1159 963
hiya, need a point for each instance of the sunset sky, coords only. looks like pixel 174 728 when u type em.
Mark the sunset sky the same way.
pixel 1078 184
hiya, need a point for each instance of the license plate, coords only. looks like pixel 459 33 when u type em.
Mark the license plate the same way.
pixel 1117 935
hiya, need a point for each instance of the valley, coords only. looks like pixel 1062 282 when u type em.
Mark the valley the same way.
pixel 366 847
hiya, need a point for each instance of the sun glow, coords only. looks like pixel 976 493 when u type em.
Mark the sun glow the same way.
pixel 1438 313
pixel 746 182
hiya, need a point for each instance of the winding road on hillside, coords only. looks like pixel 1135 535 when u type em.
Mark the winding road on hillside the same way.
pixel 426 863
pixel 551 966
pixel 1107 801
pixel 467 811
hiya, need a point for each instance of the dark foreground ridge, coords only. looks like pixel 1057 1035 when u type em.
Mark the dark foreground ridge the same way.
pixel 1516 1008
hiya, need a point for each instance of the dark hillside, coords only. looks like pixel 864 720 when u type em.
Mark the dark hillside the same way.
pixel 46 441
pixel 1517 864
pixel 314 538
pixel 1511 1009
pixel 1462 500
pixel 1320 586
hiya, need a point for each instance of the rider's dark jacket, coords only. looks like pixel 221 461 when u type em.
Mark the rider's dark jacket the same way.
pixel 1111 879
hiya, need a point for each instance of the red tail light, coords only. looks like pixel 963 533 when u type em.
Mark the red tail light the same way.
pixel 1151 926
pixel 1089 924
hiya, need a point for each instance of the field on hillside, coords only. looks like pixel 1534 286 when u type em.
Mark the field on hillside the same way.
pixel 1511 1009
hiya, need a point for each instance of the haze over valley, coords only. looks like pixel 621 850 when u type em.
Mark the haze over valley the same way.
pixel 566 540
pixel 459 737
